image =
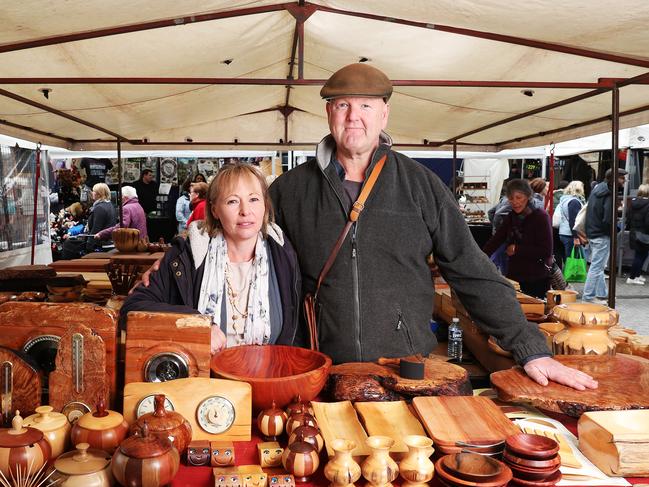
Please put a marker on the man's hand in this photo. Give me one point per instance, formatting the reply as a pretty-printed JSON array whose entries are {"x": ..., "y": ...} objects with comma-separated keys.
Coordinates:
[
  {"x": 144, "y": 279},
  {"x": 544, "y": 369},
  {"x": 576, "y": 242},
  {"x": 218, "y": 340}
]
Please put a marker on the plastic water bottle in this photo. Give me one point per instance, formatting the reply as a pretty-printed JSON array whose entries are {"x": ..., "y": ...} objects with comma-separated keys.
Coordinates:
[{"x": 455, "y": 340}]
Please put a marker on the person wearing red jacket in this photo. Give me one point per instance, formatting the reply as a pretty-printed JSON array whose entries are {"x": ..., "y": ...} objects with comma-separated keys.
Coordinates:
[{"x": 198, "y": 200}]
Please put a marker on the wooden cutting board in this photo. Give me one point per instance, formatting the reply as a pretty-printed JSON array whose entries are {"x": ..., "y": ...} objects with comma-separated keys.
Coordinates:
[
  {"x": 623, "y": 384},
  {"x": 471, "y": 419}
]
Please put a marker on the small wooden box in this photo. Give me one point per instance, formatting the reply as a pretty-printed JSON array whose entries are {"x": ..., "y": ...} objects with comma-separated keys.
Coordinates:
[
  {"x": 616, "y": 441},
  {"x": 221, "y": 453},
  {"x": 166, "y": 338},
  {"x": 270, "y": 454}
]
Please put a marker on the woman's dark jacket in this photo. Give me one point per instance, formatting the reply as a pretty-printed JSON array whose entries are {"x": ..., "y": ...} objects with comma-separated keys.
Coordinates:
[
  {"x": 176, "y": 287},
  {"x": 102, "y": 215}
]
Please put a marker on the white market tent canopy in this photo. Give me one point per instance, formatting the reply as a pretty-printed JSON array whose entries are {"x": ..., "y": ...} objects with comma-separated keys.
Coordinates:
[{"x": 155, "y": 74}]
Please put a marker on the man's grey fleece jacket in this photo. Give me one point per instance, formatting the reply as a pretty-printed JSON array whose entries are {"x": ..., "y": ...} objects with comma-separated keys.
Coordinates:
[{"x": 378, "y": 297}]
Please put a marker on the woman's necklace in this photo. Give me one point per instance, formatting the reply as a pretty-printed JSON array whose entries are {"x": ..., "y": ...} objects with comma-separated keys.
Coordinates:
[{"x": 234, "y": 298}]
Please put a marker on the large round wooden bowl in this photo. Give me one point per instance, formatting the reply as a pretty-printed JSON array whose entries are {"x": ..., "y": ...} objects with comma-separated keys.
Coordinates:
[
  {"x": 126, "y": 239},
  {"x": 276, "y": 372}
]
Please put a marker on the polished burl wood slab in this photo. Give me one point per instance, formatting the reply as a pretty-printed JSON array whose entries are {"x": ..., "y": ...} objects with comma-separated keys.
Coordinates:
[
  {"x": 623, "y": 384},
  {"x": 367, "y": 381}
]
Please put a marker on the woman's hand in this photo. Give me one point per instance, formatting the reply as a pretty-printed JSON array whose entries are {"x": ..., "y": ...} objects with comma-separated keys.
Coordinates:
[
  {"x": 511, "y": 249},
  {"x": 218, "y": 340},
  {"x": 576, "y": 242}
]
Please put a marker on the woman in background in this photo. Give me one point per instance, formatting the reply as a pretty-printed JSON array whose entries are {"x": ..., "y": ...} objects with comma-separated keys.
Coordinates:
[
  {"x": 102, "y": 214},
  {"x": 183, "y": 207},
  {"x": 527, "y": 233},
  {"x": 639, "y": 237},
  {"x": 569, "y": 205},
  {"x": 197, "y": 197}
]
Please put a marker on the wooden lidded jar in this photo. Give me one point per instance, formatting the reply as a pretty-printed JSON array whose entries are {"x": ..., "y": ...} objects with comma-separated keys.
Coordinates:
[
  {"x": 166, "y": 424},
  {"x": 308, "y": 433},
  {"x": 271, "y": 422},
  {"x": 301, "y": 459},
  {"x": 145, "y": 460},
  {"x": 55, "y": 426},
  {"x": 83, "y": 468},
  {"x": 103, "y": 430},
  {"x": 299, "y": 406},
  {"x": 300, "y": 419},
  {"x": 22, "y": 450}
]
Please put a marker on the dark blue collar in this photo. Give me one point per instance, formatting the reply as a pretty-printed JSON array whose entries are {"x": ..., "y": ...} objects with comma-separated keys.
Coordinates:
[{"x": 340, "y": 170}]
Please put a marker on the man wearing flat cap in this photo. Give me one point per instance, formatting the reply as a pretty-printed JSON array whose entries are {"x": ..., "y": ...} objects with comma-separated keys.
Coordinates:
[{"x": 376, "y": 301}]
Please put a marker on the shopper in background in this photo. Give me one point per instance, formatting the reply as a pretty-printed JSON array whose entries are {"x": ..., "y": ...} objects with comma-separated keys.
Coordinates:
[
  {"x": 599, "y": 222},
  {"x": 199, "y": 178},
  {"x": 540, "y": 188},
  {"x": 527, "y": 232},
  {"x": 559, "y": 192},
  {"x": 568, "y": 208},
  {"x": 102, "y": 214},
  {"x": 132, "y": 215},
  {"x": 183, "y": 206},
  {"x": 197, "y": 197},
  {"x": 639, "y": 235},
  {"x": 147, "y": 191}
]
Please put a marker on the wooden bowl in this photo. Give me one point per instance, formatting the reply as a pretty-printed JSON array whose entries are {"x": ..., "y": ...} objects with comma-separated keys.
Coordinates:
[
  {"x": 548, "y": 482},
  {"x": 543, "y": 464},
  {"x": 531, "y": 473},
  {"x": 276, "y": 372},
  {"x": 126, "y": 239},
  {"x": 531, "y": 446},
  {"x": 472, "y": 466},
  {"x": 448, "y": 478}
]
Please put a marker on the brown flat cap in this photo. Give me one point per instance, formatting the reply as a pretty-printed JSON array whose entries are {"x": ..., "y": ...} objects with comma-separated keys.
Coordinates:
[{"x": 358, "y": 79}]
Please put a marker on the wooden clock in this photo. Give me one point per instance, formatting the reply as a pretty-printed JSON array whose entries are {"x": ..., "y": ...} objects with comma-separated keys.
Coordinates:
[{"x": 217, "y": 409}]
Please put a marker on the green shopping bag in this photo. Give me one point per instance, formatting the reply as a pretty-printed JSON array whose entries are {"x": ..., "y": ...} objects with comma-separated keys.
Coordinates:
[{"x": 575, "y": 268}]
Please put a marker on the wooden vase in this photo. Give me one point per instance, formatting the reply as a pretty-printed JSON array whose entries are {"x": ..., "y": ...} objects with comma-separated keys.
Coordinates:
[
  {"x": 416, "y": 468},
  {"x": 271, "y": 422},
  {"x": 23, "y": 451},
  {"x": 342, "y": 470},
  {"x": 301, "y": 459},
  {"x": 378, "y": 468},
  {"x": 102, "y": 429},
  {"x": 586, "y": 330},
  {"x": 166, "y": 424},
  {"x": 55, "y": 426},
  {"x": 145, "y": 460},
  {"x": 126, "y": 239}
]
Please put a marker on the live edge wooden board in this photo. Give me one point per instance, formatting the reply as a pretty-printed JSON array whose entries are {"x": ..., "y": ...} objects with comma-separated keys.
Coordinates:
[{"x": 623, "y": 384}]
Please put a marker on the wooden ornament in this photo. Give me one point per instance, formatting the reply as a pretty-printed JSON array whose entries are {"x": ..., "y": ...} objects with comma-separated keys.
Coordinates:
[
  {"x": 166, "y": 424},
  {"x": 271, "y": 422},
  {"x": 270, "y": 454},
  {"x": 80, "y": 374},
  {"x": 36, "y": 329},
  {"x": 240, "y": 476},
  {"x": 199, "y": 453},
  {"x": 221, "y": 453},
  {"x": 102, "y": 429},
  {"x": 299, "y": 405},
  {"x": 281, "y": 480},
  {"x": 301, "y": 459},
  {"x": 145, "y": 460},
  {"x": 20, "y": 384},
  {"x": 308, "y": 433},
  {"x": 300, "y": 419},
  {"x": 166, "y": 346},
  {"x": 22, "y": 449}
]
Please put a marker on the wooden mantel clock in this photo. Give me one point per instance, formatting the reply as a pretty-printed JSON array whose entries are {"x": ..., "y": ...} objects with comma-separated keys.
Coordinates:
[{"x": 217, "y": 409}]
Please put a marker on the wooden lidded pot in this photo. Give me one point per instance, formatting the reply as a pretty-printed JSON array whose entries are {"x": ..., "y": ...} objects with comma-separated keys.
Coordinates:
[
  {"x": 166, "y": 424},
  {"x": 126, "y": 239},
  {"x": 22, "y": 450},
  {"x": 271, "y": 422},
  {"x": 55, "y": 426},
  {"x": 145, "y": 459},
  {"x": 103, "y": 430},
  {"x": 83, "y": 468}
]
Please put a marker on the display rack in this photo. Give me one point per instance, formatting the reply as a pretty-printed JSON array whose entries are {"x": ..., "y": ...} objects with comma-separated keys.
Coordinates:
[{"x": 476, "y": 194}]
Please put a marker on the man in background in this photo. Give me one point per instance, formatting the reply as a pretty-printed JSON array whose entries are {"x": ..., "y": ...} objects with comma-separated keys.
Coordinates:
[{"x": 147, "y": 191}]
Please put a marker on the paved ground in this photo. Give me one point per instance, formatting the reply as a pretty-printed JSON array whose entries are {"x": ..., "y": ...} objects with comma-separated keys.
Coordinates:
[{"x": 632, "y": 302}]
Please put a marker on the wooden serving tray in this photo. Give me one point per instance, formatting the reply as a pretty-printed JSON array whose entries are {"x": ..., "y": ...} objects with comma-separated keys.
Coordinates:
[
  {"x": 392, "y": 418},
  {"x": 623, "y": 384},
  {"x": 475, "y": 420},
  {"x": 339, "y": 420}
]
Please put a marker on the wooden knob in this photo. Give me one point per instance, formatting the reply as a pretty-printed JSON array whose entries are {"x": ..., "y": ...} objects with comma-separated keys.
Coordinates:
[
  {"x": 17, "y": 425},
  {"x": 101, "y": 408},
  {"x": 82, "y": 452},
  {"x": 159, "y": 405},
  {"x": 43, "y": 413}
]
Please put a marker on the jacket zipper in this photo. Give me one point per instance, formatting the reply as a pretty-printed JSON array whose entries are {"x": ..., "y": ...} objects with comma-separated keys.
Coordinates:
[
  {"x": 356, "y": 296},
  {"x": 401, "y": 323},
  {"x": 296, "y": 312}
]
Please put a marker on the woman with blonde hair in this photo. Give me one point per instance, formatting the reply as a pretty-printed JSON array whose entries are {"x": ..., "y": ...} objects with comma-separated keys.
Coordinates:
[
  {"x": 569, "y": 206},
  {"x": 102, "y": 214},
  {"x": 639, "y": 237},
  {"x": 237, "y": 267}
]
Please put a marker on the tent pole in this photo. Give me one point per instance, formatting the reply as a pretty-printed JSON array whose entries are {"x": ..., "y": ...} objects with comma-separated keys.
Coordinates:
[
  {"x": 119, "y": 183},
  {"x": 37, "y": 173},
  {"x": 615, "y": 127}
]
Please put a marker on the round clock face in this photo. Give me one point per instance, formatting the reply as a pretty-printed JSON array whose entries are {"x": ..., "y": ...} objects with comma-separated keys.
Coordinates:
[
  {"x": 215, "y": 414},
  {"x": 146, "y": 405}
]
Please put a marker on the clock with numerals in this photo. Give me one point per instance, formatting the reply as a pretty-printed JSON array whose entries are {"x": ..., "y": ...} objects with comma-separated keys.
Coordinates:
[{"x": 216, "y": 409}]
